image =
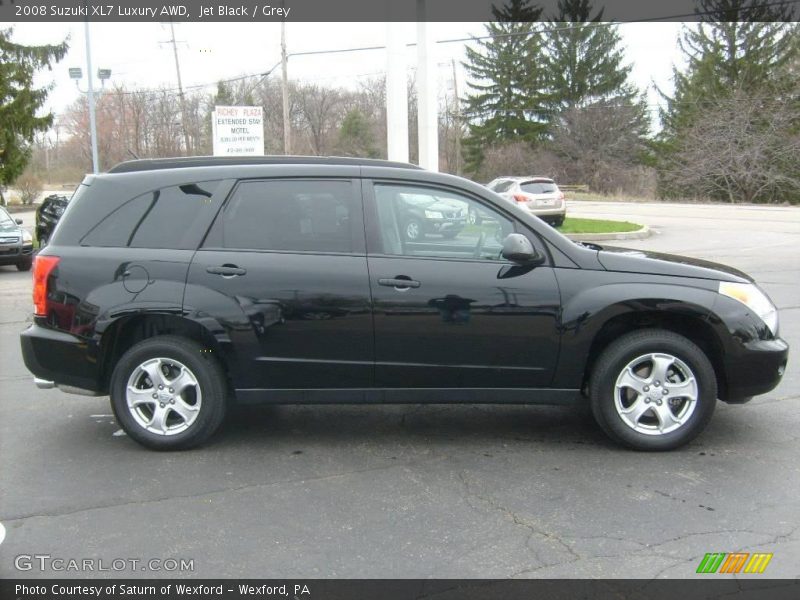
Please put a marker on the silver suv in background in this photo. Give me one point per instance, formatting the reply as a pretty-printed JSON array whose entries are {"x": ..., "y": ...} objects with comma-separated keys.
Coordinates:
[{"x": 538, "y": 195}]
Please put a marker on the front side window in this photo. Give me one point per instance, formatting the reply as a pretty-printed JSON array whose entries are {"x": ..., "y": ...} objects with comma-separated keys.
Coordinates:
[
  {"x": 429, "y": 222},
  {"x": 163, "y": 218},
  {"x": 503, "y": 186},
  {"x": 291, "y": 215}
]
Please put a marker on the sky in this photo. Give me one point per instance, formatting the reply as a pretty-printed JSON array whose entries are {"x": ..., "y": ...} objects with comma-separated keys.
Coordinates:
[{"x": 140, "y": 55}]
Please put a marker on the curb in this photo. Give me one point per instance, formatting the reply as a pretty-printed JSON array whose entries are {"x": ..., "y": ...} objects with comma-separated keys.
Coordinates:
[{"x": 639, "y": 234}]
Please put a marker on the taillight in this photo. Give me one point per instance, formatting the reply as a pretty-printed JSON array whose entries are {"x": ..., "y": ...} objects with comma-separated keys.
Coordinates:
[
  {"x": 561, "y": 196},
  {"x": 42, "y": 267},
  {"x": 520, "y": 198}
]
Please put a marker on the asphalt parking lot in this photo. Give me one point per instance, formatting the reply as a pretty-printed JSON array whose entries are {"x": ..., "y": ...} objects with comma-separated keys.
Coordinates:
[{"x": 418, "y": 491}]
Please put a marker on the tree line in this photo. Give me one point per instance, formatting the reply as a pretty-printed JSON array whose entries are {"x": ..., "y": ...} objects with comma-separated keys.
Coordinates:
[{"x": 547, "y": 94}]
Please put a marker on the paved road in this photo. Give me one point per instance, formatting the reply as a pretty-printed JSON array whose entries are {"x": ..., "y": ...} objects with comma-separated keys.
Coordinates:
[{"x": 410, "y": 491}]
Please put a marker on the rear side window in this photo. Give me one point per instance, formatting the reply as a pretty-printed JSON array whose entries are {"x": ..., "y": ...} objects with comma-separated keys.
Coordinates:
[
  {"x": 162, "y": 218},
  {"x": 503, "y": 186},
  {"x": 539, "y": 187},
  {"x": 291, "y": 215}
]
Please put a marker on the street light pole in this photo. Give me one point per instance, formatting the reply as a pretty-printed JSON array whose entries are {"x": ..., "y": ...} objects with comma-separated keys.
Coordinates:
[{"x": 92, "y": 122}]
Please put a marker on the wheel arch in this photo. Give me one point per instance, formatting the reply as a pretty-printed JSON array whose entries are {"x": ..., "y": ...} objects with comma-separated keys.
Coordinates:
[{"x": 124, "y": 332}]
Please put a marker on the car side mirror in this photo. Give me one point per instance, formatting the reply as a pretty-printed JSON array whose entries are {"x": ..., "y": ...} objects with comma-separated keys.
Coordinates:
[
  {"x": 18, "y": 221},
  {"x": 518, "y": 249}
]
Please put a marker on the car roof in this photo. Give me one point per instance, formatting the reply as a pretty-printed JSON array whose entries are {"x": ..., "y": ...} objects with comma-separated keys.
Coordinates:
[
  {"x": 529, "y": 179},
  {"x": 151, "y": 164}
]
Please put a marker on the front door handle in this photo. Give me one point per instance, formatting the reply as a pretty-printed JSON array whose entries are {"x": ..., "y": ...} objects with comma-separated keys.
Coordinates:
[
  {"x": 400, "y": 282},
  {"x": 226, "y": 270}
]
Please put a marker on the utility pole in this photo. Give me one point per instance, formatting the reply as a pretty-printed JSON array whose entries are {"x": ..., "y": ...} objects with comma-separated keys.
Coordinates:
[
  {"x": 287, "y": 125},
  {"x": 92, "y": 121},
  {"x": 180, "y": 87},
  {"x": 457, "y": 115}
]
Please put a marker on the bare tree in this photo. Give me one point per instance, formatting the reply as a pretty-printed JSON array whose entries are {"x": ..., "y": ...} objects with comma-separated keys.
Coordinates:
[{"x": 745, "y": 148}]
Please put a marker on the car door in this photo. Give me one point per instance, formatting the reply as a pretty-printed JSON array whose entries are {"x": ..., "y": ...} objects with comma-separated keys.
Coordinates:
[
  {"x": 282, "y": 276},
  {"x": 449, "y": 311}
]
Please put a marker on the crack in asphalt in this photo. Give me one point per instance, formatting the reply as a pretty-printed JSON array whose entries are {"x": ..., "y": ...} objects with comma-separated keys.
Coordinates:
[
  {"x": 518, "y": 520},
  {"x": 239, "y": 488}
]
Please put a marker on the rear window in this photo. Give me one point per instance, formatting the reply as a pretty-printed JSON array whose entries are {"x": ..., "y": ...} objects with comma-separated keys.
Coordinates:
[
  {"x": 539, "y": 187},
  {"x": 158, "y": 219}
]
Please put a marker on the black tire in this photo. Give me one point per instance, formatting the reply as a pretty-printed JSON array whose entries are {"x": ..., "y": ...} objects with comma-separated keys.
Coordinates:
[
  {"x": 25, "y": 265},
  {"x": 413, "y": 230},
  {"x": 211, "y": 382},
  {"x": 558, "y": 222},
  {"x": 614, "y": 361}
]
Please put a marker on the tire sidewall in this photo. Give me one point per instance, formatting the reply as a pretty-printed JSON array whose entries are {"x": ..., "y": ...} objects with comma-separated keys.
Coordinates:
[
  {"x": 207, "y": 373},
  {"x": 617, "y": 357}
]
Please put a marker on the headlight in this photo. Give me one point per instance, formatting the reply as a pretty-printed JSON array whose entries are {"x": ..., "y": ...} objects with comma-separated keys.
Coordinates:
[
  {"x": 754, "y": 299},
  {"x": 27, "y": 238},
  {"x": 432, "y": 214}
]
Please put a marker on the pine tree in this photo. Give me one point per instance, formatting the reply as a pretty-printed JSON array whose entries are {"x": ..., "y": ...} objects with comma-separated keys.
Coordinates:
[
  {"x": 585, "y": 58},
  {"x": 508, "y": 99},
  {"x": 20, "y": 101},
  {"x": 739, "y": 46}
]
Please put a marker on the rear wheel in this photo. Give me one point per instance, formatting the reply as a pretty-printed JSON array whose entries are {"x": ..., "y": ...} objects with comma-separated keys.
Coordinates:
[
  {"x": 653, "y": 390},
  {"x": 168, "y": 394},
  {"x": 558, "y": 222}
]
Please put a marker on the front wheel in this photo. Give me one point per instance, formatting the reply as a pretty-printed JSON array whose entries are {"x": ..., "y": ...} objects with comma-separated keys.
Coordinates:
[
  {"x": 25, "y": 265},
  {"x": 413, "y": 230},
  {"x": 653, "y": 390},
  {"x": 168, "y": 393}
]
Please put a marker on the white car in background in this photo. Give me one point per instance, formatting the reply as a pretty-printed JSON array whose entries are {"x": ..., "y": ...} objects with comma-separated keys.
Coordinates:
[{"x": 538, "y": 195}]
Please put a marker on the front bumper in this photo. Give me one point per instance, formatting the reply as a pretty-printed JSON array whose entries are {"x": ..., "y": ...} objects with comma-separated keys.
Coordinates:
[
  {"x": 13, "y": 254},
  {"x": 59, "y": 359},
  {"x": 756, "y": 368},
  {"x": 444, "y": 225}
]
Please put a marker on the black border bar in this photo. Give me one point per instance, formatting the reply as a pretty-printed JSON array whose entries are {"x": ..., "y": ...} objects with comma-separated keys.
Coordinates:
[
  {"x": 706, "y": 586},
  {"x": 362, "y": 10}
]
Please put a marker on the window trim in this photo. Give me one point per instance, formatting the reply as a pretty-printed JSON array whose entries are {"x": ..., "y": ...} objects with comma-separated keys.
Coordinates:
[
  {"x": 356, "y": 225},
  {"x": 375, "y": 243}
]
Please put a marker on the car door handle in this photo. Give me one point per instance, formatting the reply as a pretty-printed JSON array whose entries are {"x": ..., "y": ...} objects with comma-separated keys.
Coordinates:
[
  {"x": 399, "y": 282},
  {"x": 226, "y": 270}
]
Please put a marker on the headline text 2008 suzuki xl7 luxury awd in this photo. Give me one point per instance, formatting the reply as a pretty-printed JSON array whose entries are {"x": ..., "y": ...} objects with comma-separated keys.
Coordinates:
[{"x": 177, "y": 286}]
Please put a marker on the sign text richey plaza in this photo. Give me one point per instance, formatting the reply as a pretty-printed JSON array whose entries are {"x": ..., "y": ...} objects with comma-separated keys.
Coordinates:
[{"x": 238, "y": 130}]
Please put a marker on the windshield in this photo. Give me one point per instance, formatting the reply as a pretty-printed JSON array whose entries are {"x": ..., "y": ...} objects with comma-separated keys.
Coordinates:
[{"x": 6, "y": 222}]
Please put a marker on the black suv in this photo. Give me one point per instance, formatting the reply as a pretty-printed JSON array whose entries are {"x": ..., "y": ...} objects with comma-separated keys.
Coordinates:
[
  {"x": 47, "y": 215},
  {"x": 178, "y": 286}
]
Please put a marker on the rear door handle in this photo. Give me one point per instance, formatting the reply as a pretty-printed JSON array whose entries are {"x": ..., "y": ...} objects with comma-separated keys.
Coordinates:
[
  {"x": 399, "y": 282},
  {"x": 226, "y": 270}
]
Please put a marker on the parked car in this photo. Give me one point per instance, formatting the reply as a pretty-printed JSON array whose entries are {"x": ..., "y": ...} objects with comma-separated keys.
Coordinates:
[
  {"x": 16, "y": 244},
  {"x": 47, "y": 215},
  {"x": 423, "y": 214},
  {"x": 538, "y": 195},
  {"x": 177, "y": 286}
]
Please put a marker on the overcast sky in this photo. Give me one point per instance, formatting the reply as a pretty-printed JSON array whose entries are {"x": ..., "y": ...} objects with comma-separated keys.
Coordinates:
[{"x": 138, "y": 55}]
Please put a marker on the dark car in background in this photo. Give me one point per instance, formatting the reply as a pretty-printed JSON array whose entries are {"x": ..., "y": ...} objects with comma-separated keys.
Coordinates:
[
  {"x": 16, "y": 243},
  {"x": 47, "y": 215},
  {"x": 178, "y": 286},
  {"x": 424, "y": 214}
]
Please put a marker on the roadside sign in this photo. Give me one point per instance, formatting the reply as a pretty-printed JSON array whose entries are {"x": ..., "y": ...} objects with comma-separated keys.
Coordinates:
[{"x": 238, "y": 130}]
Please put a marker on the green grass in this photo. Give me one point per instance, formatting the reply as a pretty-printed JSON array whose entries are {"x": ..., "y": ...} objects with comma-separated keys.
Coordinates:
[{"x": 573, "y": 225}]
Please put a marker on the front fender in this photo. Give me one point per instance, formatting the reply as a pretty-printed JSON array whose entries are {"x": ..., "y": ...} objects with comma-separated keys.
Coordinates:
[{"x": 588, "y": 306}]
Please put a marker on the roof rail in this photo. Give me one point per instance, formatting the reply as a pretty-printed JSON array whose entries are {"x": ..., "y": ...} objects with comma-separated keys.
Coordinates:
[{"x": 151, "y": 164}]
